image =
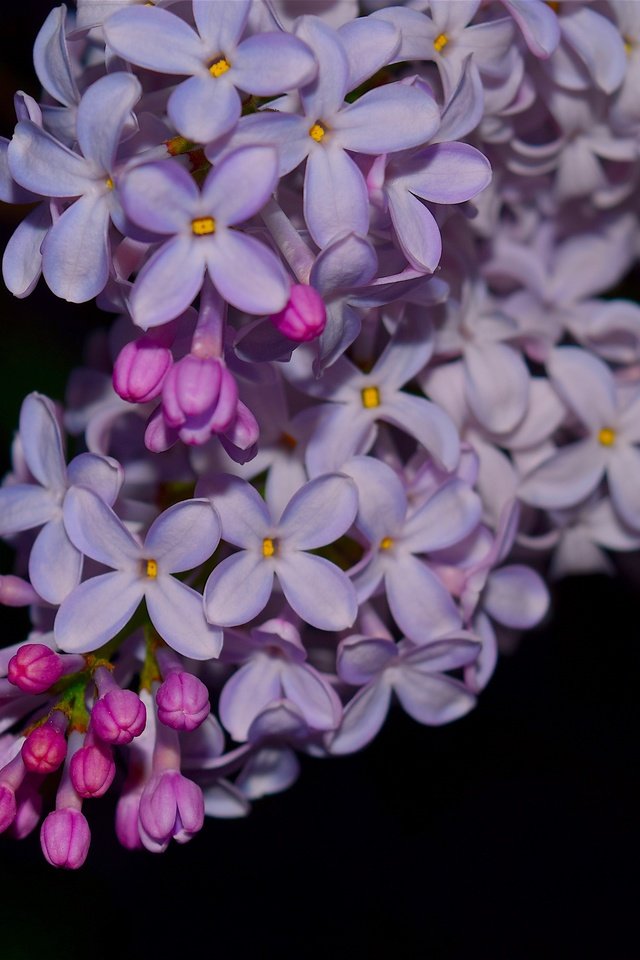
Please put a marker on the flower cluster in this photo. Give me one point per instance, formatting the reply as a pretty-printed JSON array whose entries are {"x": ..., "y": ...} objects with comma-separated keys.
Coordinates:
[{"x": 363, "y": 380}]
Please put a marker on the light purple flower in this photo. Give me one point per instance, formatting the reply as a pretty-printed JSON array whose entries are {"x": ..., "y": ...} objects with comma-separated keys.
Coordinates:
[
  {"x": 179, "y": 539},
  {"x": 318, "y": 514},
  {"x": 163, "y": 198}
]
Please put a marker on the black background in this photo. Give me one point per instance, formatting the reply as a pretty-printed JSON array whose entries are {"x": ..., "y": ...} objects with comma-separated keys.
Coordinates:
[{"x": 510, "y": 834}]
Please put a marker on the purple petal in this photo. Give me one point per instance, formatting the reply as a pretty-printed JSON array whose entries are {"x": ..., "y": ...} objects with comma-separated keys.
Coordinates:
[
  {"x": 51, "y": 59},
  {"x": 432, "y": 700},
  {"x": 348, "y": 262},
  {"x": 96, "y": 611},
  {"x": 319, "y": 513},
  {"x": 22, "y": 260},
  {"x": 447, "y": 654},
  {"x": 243, "y": 513},
  {"x": 599, "y": 45},
  {"x": 497, "y": 385},
  {"x": 169, "y": 281},
  {"x": 416, "y": 229},
  {"x": 155, "y": 39},
  {"x": 335, "y": 195},
  {"x": 24, "y": 506},
  {"x": 55, "y": 564},
  {"x": 75, "y": 253},
  {"x": 97, "y": 532},
  {"x": 221, "y": 23},
  {"x": 516, "y": 596},
  {"x": 241, "y": 184},
  {"x": 452, "y": 513},
  {"x": 238, "y": 589},
  {"x": 362, "y": 718},
  {"x": 539, "y": 26},
  {"x": 247, "y": 273},
  {"x": 317, "y": 590},
  {"x": 447, "y": 173},
  {"x": 389, "y": 118},
  {"x": 623, "y": 475},
  {"x": 565, "y": 478},
  {"x": 381, "y": 496},
  {"x": 269, "y": 63},
  {"x": 370, "y": 45},
  {"x": 288, "y": 133},
  {"x": 325, "y": 95},
  {"x": 161, "y": 197},
  {"x": 44, "y": 166},
  {"x": 103, "y": 475},
  {"x": 253, "y": 687},
  {"x": 420, "y": 604},
  {"x": 586, "y": 383},
  {"x": 103, "y": 110},
  {"x": 425, "y": 421},
  {"x": 203, "y": 108},
  {"x": 184, "y": 536},
  {"x": 41, "y": 443},
  {"x": 316, "y": 699},
  {"x": 269, "y": 770},
  {"x": 177, "y": 613},
  {"x": 406, "y": 354},
  {"x": 360, "y": 659},
  {"x": 343, "y": 431}
]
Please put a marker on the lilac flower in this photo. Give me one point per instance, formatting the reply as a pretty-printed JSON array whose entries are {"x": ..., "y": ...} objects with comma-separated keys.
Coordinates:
[
  {"x": 75, "y": 253},
  {"x": 164, "y": 199},
  {"x": 179, "y": 539},
  {"x": 358, "y": 400},
  {"x": 610, "y": 447},
  {"x": 274, "y": 668},
  {"x": 215, "y": 58},
  {"x": 55, "y": 563},
  {"x": 240, "y": 586},
  {"x": 415, "y": 674}
]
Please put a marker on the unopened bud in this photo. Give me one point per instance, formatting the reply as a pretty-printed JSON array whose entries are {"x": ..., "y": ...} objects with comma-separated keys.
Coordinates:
[
  {"x": 183, "y": 701},
  {"x": 140, "y": 370},
  {"x": 304, "y": 317},
  {"x": 65, "y": 838}
]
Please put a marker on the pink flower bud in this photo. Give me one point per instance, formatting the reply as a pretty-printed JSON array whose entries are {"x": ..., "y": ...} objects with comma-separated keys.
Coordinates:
[
  {"x": 65, "y": 838},
  {"x": 127, "y": 829},
  {"x": 8, "y": 806},
  {"x": 35, "y": 667},
  {"x": 183, "y": 701},
  {"x": 119, "y": 716},
  {"x": 140, "y": 370},
  {"x": 92, "y": 770},
  {"x": 200, "y": 394},
  {"x": 171, "y": 806},
  {"x": 44, "y": 749},
  {"x": 16, "y": 592},
  {"x": 28, "y": 813},
  {"x": 304, "y": 317}
]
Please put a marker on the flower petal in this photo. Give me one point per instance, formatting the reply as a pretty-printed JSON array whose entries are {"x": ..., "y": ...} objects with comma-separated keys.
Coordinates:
[
  {"x": 427, "y": 422},
  {"x": 41, "y": 442},
  {"x": 168, "y": 282},
  {"x": 203, "y": 108},
  {"x": 516, "y": 596},
  {"x": 24, "y": 506},
  {"x": 623, "y": 475},
  {"x": 177, "y": 613},
  {"x": 243, "y": 513},
  {"x": 447, "y": 517},
  {"x": 238, "y": 589},
  {"x": 155, "y": 39},
  {"x": 319, "y": 513},
  {"x": 421, "y": 606},
  {"x": 432, "y": 700},
  {"x": 75, "y": 253},
  {"x": 247, "y": 273},
  {"x": 272, "y": 62},
  {"x": 252, "y": 688},
  {"x": 362, "y": 718},
  {"x": 161, "y": 197},
  {"x": 96, "y": 611},
  {"x": 497, "y": 385},
  {"x": 55, "y": 564},
  {"x": 97, "y": 532},
  {"x": 317, "y": 590},
  {"x": 184, "y": 536},
  {"x": 241, "y": 184},
  {"x": 103, "y": 110},
  {"x": 567, "y": 477},
  {"x": 392, "y": 117},
  {"x": 335, "y": 195}
]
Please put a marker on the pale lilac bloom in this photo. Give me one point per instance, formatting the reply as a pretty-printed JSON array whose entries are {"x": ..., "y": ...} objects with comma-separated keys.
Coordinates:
[
  {"x": 538, "y": 24},
  {"x": 398, "y": 538},
  {"x": 53, "y": 65},
  {"x": 75, "y": 253},
  {"x": 55, "y": 564},
  {"x": 215, "y": 58},
  {"x": 612, "y": 424},
  {"x": 348, "y": 424},
  {"x": 164, "y": 199},
  {"x": 181, "y": 538},
  {"x": 417, "y": 676},
  {"x": 591, "y": 50},
  {"x": 318, "y": 514},
  {"x": 273, "y": 667}
]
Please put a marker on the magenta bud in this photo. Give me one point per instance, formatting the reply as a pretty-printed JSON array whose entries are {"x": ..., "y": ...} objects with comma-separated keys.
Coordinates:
[
  {"x": 44, "y": 749},
  {"x": 92, "y": 770},
  {"x": 171, "y": 806},
  {"x": 35, "y": 667},
  {"x": 183, "y": 701},
  {"x": 304, "y": 317},
  {"x": 65, "y": 838},
  {"x": 119, "y": 716},
  {"x": 16, "y": 592},
  {"x": 8, "y": 806},
  {"x": 28, "y": 813},
  {"x": 140, "y": 370},
  {"x": 199, "y": 393},
  {"x": 127, "y": 830}
]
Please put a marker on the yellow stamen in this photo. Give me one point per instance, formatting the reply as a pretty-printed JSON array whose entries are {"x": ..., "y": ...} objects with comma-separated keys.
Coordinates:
[
  {"x": 109, "y": 183},
  {"x": 370, "y": 397},
  {"x": 607, "y": 437},
  {"x": 152, "y": 569},
  {"x": 201, "y": 226},
  {"x": 555, "y": 5},
  {"x": 386, "y": 543},
  {"x": 288, "y": 441},
  {"x": 628, "y": 46},
  {"x": 268, "y": 547},
  {"x": 317, "y": 132},
  {"x": 440, "y": 42},
  {"x": 219, "y": 67}
]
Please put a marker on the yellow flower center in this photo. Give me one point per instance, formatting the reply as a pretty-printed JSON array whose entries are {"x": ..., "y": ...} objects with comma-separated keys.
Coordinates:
[
  {"x": 628, "y": 46},
  {"x": 607, "y": 437},
  {"x": 152, "y": 569},
  {"x": 386, "y": 543},
  {"x": 109, "y": 183},
  {"x": 317, "y": 132},
  {"x": 287, "y": 441},
  {"x": 370, "y": 397},
  {"x": 202, "y": 226},
  {"x": 440, "y": 42},
  {"x": 268, "y": 547},
  {"x": 219, "y": 67},
  {"x": 555, "y": 5}
]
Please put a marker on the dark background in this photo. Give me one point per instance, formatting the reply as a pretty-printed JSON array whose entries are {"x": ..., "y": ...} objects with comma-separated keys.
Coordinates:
[{"x": 509, "y": 834}]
